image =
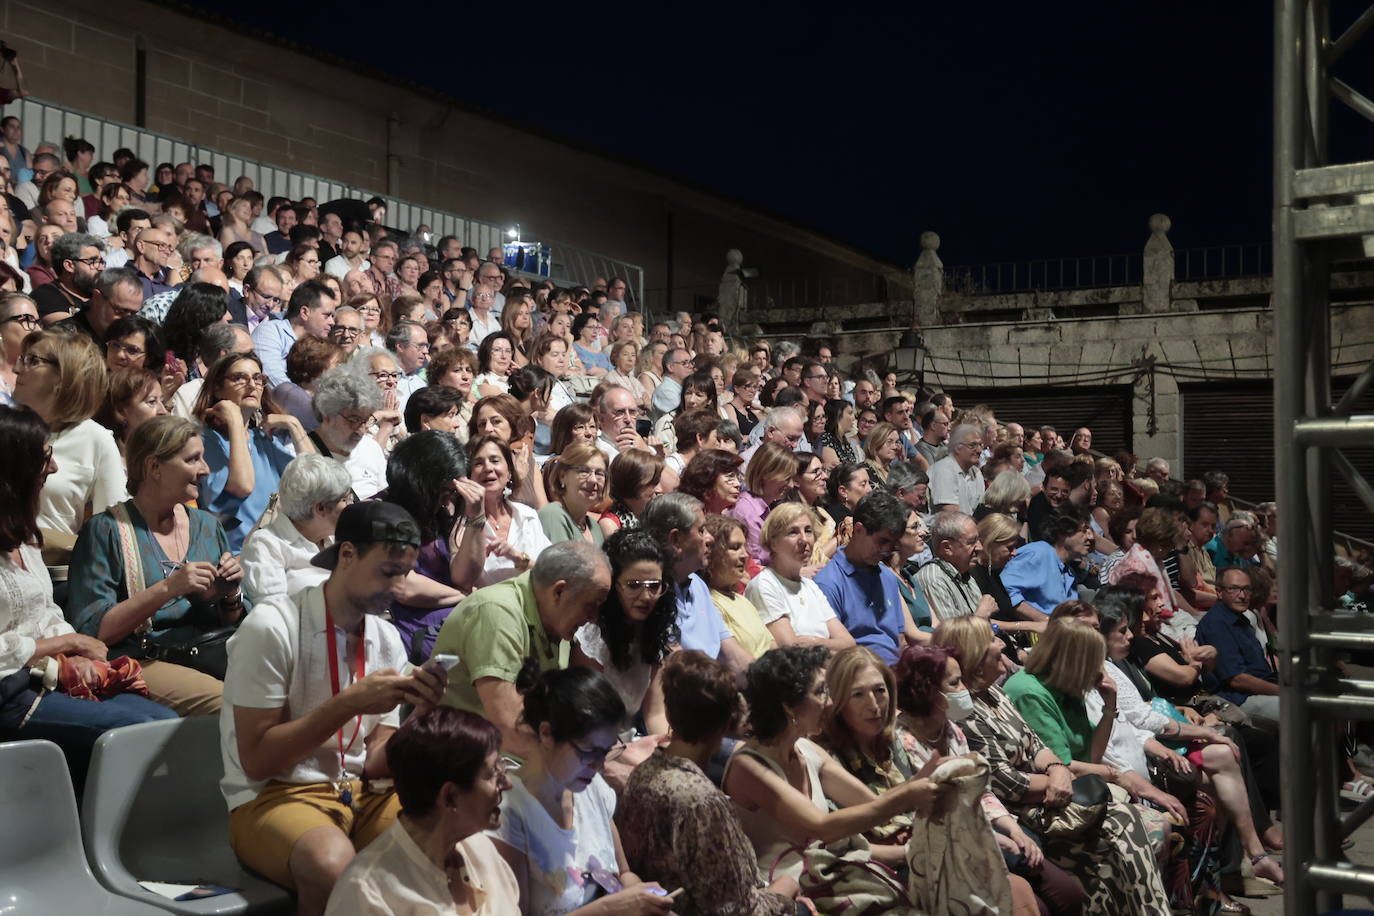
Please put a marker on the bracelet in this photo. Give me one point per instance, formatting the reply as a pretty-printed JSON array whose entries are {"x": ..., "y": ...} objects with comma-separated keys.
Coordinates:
[
  {"x": 1058, "y": 764},
  {"x": 234, "y": 600}
]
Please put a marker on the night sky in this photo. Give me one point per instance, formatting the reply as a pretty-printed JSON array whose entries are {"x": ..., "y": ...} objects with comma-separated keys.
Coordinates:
[{"x": 1016, "y": 131}]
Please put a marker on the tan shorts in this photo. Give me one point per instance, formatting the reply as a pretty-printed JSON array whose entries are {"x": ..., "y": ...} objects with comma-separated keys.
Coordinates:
[{"x": 263, "y": 832}]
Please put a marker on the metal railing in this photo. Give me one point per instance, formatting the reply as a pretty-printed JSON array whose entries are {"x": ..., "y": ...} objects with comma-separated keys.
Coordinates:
[
  {"x": 1220, "y": 262},
  {"x": 49, "y": 122},
  {"x": 1039, "y": 276}
]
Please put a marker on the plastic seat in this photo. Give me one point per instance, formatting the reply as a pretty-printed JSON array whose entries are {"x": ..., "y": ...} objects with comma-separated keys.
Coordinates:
[
  {"x": 42, "y": 865},
  {"x": 153, "y": 811}
]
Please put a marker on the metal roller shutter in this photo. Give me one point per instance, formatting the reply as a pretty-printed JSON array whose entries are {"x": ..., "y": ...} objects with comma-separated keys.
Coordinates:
[
  {"x": 1105, "y": 409},
  {"x": 1229, "y": 426}
]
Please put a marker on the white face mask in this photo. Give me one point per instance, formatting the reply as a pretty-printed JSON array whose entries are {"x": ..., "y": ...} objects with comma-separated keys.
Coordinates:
[{"x": 958, "y": 705}]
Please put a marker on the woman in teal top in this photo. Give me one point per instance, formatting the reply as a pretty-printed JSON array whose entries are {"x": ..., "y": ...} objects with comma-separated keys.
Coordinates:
[
  {"x": 185, "y": 581},
  {"x": 576, "y": 481},
  {"x": 1049, "y": 691}
]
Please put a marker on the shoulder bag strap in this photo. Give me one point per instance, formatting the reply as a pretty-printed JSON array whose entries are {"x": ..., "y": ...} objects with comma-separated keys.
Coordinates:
[{"x": 133, "y": 562}]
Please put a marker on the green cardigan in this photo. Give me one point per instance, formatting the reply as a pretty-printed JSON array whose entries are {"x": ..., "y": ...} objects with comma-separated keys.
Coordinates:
[
  {"x": 559, "y": 526},
  {"x": 1060, "y": 720}
]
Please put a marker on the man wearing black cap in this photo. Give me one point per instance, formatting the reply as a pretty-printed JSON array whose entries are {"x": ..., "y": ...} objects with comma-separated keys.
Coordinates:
[{"x": 312, "y": 694}]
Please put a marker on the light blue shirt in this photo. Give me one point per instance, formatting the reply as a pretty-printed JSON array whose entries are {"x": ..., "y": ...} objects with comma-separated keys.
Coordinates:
[
  {"x": 868, "y": 602},
  {"x": 666, "y": 396},
  {"x": 1039, "y": 578},
  {"x": 272, "y": 340},
  {"x": 699, "y": 619},
  {"x": 270, "y": 454}
]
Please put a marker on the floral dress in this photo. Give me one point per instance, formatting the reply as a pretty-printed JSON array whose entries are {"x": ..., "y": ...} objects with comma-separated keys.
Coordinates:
[
  {"x": 678, "y": 829},
  {"x": 1115, "y": 865}
]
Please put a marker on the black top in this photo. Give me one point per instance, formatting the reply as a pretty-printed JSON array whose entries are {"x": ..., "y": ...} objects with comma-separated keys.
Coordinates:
[
  {"x": 1144, "y": 648},
  {"x": 1037, "y": 513},
  {"x": 746, "y": 421},
  {"x": 991, "y": 584},
  {"x": 52, "y": 298}
]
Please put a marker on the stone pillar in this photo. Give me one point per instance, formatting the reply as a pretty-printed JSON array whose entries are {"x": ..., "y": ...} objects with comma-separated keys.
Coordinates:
[
  {"x": 1157, "y": 281},
  {"x": 929, "y": 281},
  {"x": 731, "y": 296}
]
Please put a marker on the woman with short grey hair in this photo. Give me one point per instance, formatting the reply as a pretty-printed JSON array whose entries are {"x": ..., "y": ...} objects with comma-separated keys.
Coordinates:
[
  {"x": 276, "y": 557},
  {"x": 346, "y": 400}
]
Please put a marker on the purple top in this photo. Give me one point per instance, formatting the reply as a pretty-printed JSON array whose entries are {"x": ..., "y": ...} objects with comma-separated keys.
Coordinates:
[
  {"x": 432, "y": 564},
  {"x": 750, "y": 511}
]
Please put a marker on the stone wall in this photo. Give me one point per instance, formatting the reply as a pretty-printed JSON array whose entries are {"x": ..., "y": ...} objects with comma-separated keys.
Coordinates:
[{"x": 250, "y": 96}]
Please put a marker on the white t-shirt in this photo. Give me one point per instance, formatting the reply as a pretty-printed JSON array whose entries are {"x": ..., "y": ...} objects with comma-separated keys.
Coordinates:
[
  {"x": 950, "y": 484},
  {"x": 89, "y": 470},
  {"x": 366, "y": 464},
  {"x": 280, "y": 658},
  {"x": 557, "y": 858},
  {"x": 526, "y": 536},
  {"x": 276, "y": 561},
  {"x": 801, "y": 601}
]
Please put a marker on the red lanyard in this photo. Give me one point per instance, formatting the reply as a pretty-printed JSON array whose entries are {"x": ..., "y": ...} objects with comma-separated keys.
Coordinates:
[{"x": 359, "y": 666}]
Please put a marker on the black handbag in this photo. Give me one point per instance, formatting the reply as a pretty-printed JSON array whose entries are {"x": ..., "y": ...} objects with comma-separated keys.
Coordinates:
[{"x": 206, "y": 652}]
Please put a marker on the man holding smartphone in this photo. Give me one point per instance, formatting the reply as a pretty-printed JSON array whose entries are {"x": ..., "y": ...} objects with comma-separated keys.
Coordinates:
[{"x": 313, "y": 693}]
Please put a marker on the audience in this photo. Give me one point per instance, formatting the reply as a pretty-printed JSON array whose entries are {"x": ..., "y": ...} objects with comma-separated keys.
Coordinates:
[{"x": 518, "y": 454}]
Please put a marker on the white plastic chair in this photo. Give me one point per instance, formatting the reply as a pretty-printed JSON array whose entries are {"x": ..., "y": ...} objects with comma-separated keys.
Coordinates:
[
  {"x": 153, "y": 812},
  {"x": 42, "y": 865}
]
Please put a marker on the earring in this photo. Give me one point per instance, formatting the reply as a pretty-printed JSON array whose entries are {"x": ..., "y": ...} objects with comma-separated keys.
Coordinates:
[{"x": 794, "y": 720}]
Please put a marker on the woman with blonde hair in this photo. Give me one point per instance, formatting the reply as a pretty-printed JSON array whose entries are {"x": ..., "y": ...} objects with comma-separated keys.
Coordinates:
[
  {"x": 770, "y": 475},
  {"x": 882, "y": 447},
  {"x": 1000, "y": 536},
  {"x": 61, "y": 377},
  {"x": 793, "y": 606},
  {"x": 518, "y": 323},
  {"x": 151, "y": 570},
  {"x": 576, "y": 483},
  {"x": 1008, "y": 494},
  {"x": 234, "y": 225}
]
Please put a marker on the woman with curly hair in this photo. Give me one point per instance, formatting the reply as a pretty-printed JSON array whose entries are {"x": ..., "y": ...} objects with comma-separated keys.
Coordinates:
[
  {"x": 712, "y": 476},
  {"x": 783, "y": 783},
  {"x": 637, "y": 627}
]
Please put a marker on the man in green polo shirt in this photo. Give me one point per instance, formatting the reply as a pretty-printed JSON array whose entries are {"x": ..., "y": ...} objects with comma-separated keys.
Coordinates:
[{"x": 532, "y": 616}]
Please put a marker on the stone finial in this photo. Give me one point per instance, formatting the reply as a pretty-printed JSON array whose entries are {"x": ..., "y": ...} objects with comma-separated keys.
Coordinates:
[
  {"x": 1160, "y": 223},
  {"x": 734, "y": 259},
  {"x": 928, "y": 279},
  {"x": 930, "y": 241}
]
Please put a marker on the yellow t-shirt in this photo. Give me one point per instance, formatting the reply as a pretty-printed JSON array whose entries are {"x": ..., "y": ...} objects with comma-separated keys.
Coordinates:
[{"x": 744, "y": 622}]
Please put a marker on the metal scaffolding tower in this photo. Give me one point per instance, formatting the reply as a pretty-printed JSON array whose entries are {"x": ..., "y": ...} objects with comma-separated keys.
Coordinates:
[{"x": 1321, "y": 209}]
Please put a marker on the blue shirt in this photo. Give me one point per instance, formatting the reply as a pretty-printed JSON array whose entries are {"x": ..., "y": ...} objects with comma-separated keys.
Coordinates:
[
  {"x": 272, "y": 340},
  {"x": 1038, "y": 577},
  {"x": 1238, "y": 650},
  {"x": 699, "y": 619},
  {"x": 592, "y": 359},
  {"x": 868, "y": 601},
  {"x": 270, "y": 454},
  {"x": 1223, "y": 558}
]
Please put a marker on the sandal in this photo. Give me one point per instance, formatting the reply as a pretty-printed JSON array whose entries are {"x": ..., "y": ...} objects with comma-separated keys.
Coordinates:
[
  {"x": 1356, "y": 790},
  {"x": 1257, "y": 861}
]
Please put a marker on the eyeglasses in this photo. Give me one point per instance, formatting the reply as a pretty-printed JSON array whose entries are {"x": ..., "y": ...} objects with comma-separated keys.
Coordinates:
[
  {"x": 33, "y": 361},
  {"x": 257, "y": 380},
  {"x": 583, "y": 472},
  {"x": 423, "y": 345},
  {"x": 357, "y": 421},
  {"x": 121, "y": 348},
  {"x": 794, "y": 439},
  {"x": 1236, "y": 589},
  {"x": 376, "y": 310},
  {"x": 384, "y": 376},
  {"x": 340, "y": 330},
  {"x": 270, "y": 300},
  {"x": 26, "y": 320},
  {"x": 97, "y": 261},
  {"x": 624, "y": 413},
  {"x": 160, "y": 246},
  {"x": 591, "y": 755}
]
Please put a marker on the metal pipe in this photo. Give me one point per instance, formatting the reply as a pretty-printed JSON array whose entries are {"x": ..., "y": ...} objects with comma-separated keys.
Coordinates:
[
  {"x": 1342, "y": 640},
  {"x": 1336, "y": 50},
  {"x": 1351, "y": 96},
  {"x": 1342, "y": 876},
  {"x": 1353, "y": 477},
  {"x": 1352, "y": 821},
  {"x": 1354, "y": 392},
  {"x": 1333, "y": 432},
  {"x": 1347, "y": 705}
]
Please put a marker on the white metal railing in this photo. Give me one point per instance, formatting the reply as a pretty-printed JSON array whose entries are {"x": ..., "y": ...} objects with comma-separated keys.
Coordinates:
[{"x": 49, "y": 122}]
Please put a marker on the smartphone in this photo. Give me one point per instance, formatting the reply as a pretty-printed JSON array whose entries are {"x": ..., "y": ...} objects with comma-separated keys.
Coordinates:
[{"x": 440, "y": 662}]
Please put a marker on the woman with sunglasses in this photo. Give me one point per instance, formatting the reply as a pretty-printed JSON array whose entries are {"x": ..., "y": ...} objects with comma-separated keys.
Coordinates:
[
  {"x": 18, "y": 318},
  {"x": 637, "y": 626},
  {"x": 248, "y": 440},
  {"x": 556, "y": 828}
]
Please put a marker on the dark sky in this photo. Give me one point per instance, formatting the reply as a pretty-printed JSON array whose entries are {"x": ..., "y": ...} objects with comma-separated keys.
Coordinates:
[{"x": 1016, "y": 131}]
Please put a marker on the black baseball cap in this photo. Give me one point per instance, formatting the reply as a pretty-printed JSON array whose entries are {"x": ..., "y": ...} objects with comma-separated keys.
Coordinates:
[{"x": 368, "y": 523}]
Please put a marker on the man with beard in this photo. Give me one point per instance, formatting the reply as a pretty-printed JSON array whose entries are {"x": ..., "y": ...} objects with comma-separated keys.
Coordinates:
[
  {"x": 78, "y": 258},
  {"x": 312, "y": 694},
  {"x": 116, "y": 294}
]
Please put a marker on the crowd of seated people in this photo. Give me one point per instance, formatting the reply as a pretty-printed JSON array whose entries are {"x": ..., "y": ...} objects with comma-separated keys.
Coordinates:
[{"x": 672, "y": 614}]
